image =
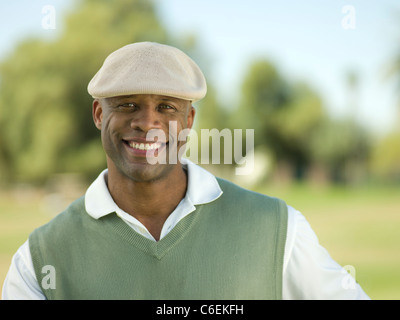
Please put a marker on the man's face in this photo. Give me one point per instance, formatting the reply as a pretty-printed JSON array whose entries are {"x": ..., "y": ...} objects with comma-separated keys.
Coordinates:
[{"x": 124, "y": 123}]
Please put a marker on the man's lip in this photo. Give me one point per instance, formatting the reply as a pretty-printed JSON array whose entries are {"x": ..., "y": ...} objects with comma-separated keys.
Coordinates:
[
  {"x": 130, "y": 141},
  {"x": 144, "y": 146},
  {"x": 141, "y": 140}
]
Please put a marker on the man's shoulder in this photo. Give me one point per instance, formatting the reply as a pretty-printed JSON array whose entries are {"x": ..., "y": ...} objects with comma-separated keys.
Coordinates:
[
  {"x": 232, "y": 188},
  {"x": 242, "y": 197}
]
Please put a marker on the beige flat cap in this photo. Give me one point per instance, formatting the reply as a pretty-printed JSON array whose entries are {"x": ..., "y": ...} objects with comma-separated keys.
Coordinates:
[{"x": 149, "y": 68}]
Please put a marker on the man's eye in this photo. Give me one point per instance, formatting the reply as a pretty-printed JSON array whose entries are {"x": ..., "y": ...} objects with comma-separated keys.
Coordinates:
[
  {"x": 127, "y": 105},
  {"x": 166, "y": 107}
]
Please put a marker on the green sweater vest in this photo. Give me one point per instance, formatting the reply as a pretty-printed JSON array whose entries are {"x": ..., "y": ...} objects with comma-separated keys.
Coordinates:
[{"x": 231, "y": 248}]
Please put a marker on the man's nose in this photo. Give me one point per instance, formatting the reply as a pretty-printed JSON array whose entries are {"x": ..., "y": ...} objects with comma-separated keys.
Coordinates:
[{"x": 146, "y": 119}]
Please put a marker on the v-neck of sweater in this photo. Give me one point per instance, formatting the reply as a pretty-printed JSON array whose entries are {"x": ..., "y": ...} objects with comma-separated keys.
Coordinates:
[{"x": 158, "y": 249}]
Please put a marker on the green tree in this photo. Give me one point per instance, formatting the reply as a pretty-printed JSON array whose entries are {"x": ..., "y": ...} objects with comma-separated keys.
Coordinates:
[
  {"x": 342, "y": 148},
  {"x": 283, "y": 115},
  {"x": 45, "y": 110},
  {"x": 385, "y": 158}
]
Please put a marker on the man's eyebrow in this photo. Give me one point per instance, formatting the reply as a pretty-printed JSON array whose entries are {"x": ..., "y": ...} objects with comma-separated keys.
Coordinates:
[
  {"x": 122, "y": 99},
  {"x": 117, "y": 100},
  {"x": 180, "y": 104},
  {"x": 164, "y": 98},
  {"x": 169, "y": 100},
  {"x": 134, "y": 96}
]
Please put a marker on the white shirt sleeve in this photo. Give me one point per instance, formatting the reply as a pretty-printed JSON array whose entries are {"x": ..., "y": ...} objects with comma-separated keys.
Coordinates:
[
  {"x": 20, "y": 282},
  {"x": 309, "y": 273}
]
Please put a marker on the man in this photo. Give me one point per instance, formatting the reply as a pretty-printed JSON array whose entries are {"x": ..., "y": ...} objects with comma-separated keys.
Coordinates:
[{"x": 168, "y": 230}]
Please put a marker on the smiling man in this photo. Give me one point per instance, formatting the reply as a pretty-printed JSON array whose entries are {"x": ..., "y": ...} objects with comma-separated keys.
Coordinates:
[
  {"x": 150, "y": 192},
  {"x": 152, "y": 230}
]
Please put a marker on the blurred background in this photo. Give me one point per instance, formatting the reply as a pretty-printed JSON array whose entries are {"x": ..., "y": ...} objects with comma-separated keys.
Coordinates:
[{"x": 318, "y": 83}]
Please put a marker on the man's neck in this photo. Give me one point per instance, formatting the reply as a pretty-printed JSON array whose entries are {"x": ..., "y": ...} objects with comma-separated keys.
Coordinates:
[{"x": 149, "y": 202}]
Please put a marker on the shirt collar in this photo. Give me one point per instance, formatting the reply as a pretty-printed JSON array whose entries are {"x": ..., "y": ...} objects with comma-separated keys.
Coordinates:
[{"x": 202, "y": 188}]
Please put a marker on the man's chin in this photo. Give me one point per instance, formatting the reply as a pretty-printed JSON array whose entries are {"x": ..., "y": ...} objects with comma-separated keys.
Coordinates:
[{"x": 146, "y": 172}]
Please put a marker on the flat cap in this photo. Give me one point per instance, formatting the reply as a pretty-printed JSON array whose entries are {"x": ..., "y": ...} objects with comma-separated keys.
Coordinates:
[{"x": 149, "y": 68}]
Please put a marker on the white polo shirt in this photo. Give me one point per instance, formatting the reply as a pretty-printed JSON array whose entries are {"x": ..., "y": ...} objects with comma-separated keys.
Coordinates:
[{"x": 308, "y": 271}]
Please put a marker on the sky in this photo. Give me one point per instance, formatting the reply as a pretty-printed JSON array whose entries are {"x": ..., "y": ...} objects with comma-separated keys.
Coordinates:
[{"x": 308, "y": 40}]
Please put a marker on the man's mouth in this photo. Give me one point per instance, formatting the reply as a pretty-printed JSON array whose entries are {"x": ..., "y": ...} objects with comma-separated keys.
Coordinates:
[
  {"x": 142, "y": 148},
  {"x": 145, "y": 146}
]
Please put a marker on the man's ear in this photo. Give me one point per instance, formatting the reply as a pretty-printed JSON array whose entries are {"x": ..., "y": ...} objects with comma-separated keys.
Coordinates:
[
  {"x": 190, "y": 118},
  {"x": 97, "y": 113}
]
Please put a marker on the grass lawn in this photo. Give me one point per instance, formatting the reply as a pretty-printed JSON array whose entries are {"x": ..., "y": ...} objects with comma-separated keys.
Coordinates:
[
  {"x": 20, "y": 214},
  {"x": 359, "y": 227}
]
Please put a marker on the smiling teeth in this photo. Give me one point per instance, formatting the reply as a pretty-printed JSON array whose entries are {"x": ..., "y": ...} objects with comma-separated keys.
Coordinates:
[{"x": 145, "y": 146}]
